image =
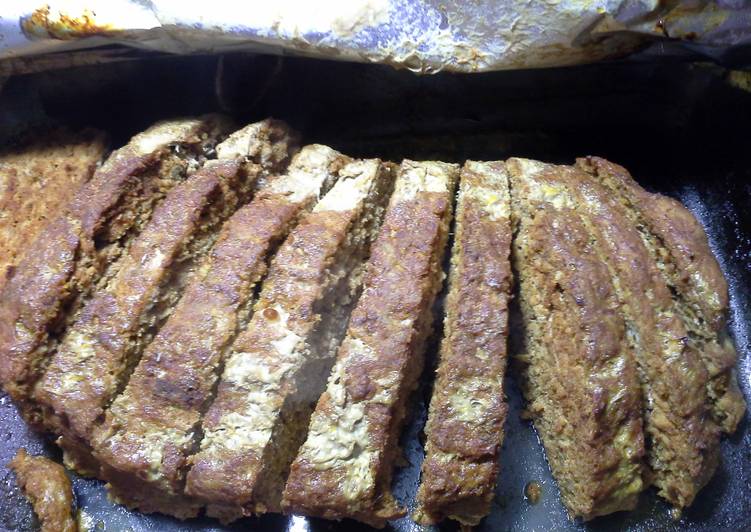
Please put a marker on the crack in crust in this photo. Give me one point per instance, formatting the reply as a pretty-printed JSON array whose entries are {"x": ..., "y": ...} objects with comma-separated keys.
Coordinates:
[{"x": 679, "y": 245}]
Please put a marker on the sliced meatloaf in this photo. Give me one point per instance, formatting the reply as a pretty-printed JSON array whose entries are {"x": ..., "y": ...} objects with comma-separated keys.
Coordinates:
[
  {"x": 98, "y": 352},
  {"x": 278, "y": 365},
  {"x": 78, "y": 250},
  {"x": 468, "y": 408},
  {"x": 678, "y": 244},
  {"x": 580, "y": 373},
  {"x": 345, "y": 466},
  {"x": 153, "y": 427}
]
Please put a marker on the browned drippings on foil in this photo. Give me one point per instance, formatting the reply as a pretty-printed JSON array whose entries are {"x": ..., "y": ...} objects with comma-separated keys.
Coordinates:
[{"x": 45, "y": 24}]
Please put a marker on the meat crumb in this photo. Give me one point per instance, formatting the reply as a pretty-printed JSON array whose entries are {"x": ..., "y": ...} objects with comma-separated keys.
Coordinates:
[{"x": 48, "y": 488}]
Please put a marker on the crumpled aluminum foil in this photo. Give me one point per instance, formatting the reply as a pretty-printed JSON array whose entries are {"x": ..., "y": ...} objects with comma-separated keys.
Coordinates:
[{"x": 424, "y": 36}]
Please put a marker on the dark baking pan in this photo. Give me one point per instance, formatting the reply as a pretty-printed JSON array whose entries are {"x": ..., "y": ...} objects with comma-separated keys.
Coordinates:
[{"x": 682, "y": 129}]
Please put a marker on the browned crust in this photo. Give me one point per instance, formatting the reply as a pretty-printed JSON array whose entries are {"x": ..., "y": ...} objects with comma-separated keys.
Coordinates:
[
  {"x": 87, "y": 369},
  {"x": 684, "y": 441},
  {"x": 461, "y": 464},
  {"x": 678, "y": 242},
  {"x": 38, "y": 179},
  {"x": 73, "y": 251},
  {"x": 392, "y": 318},
  {"x": 581, "y": 379},
  {"x": 682, "y": 235},
  {"x": 177, "y": 372},
  {"x": 48, "y": 488},
  {"x": 320, "y": 254},
  {"x": 596, "y": 341}
]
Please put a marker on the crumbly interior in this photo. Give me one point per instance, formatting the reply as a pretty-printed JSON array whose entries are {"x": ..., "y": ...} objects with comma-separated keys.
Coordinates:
[
  {"x": 276, "y": 366},
  {"x": 342, "y": 286},
  {"x": 155, "y": 425},
  {"x": 345, "y": 466},
  {"x": 49, "y": 490},
  {"x": 77, "y": 252}
]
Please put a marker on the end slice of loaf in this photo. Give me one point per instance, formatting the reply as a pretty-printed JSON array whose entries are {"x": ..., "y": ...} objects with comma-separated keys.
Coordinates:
[
  {"x": 38, "y": 178},
  {"x": 680, "y": 247},
  {"x": 99, "y": 350}
]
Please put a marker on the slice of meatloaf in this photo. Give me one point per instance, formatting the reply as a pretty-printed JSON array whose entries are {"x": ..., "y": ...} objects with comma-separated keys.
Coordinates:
[
  {"x": 579, "y": 367},
  {"x": 468, "y": 408},
  {"x": 678, "y": 244},
  {"x": 277, "y": 367},
  {"x": 152, "y": 428},
  {"x": 73, "y": 253},
  {"x": 38, "y": 178},
  {"x": 100, "y": 350},
  {"x": 344, "y": 468}
]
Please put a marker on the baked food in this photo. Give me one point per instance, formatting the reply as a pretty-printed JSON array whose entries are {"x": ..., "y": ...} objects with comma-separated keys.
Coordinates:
[
  {"x": 46, "y": 485},
  {"x": 78, "y": 249},
  {"x": 678, "y": 243},
  {"x": 166, "y": 374},
  {"x": 580, "y": 371},
  {"x": 277, "y": 366},
  {"x": 98, "y": 352},
  {"x": 683, "y": 440},
  {"x": 152, "y": 427},
  {"x": 38, "y": 178},
  {"x": 344, "y": 467},
  {"x": 467, "y": 412}
]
